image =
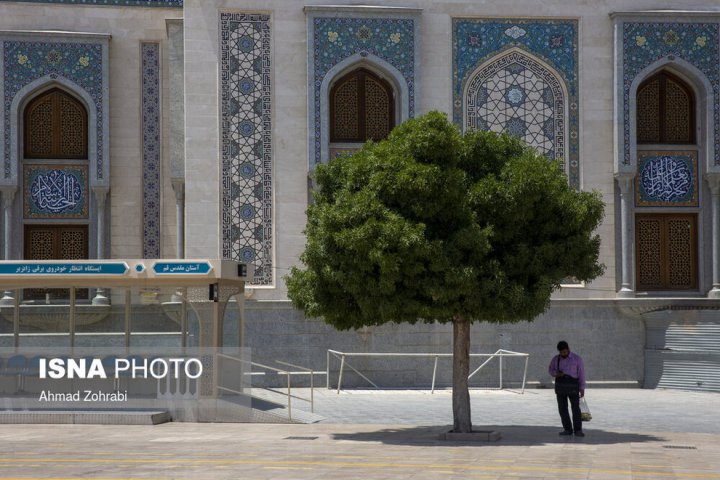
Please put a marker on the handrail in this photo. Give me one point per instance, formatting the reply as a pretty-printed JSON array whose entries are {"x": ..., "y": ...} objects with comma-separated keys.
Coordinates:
[
  {"x": 341, "y": 356},
  {"x": 285, "y": 372}
]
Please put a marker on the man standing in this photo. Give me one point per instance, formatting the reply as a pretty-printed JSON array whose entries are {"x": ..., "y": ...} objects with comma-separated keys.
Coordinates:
[{"x": 569, "y": 372}]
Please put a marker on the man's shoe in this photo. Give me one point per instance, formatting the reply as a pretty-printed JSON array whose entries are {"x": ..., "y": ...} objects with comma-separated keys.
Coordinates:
[
  {"x": 565, "y": 433},
  {"x": 579, "y": 434}
]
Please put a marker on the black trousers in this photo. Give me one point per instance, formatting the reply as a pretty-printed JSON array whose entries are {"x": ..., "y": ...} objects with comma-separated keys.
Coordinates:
[{"x": 562, "y": 401}]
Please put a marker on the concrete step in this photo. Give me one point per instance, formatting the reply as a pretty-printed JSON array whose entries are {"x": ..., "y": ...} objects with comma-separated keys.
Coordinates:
[{"x": 98, "y": 417}]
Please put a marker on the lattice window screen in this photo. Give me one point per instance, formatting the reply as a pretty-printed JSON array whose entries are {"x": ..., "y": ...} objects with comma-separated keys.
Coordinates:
[
  {"x": 677, "y": 114},
  {"x": 666, "y": 251},
  {"x": 665, "y": 111},
  {"x": 377, "y": 110},
  {"x": 346, "y": 106},
  {"x": 649, "y": 254},
  {"x": 648, "y": 112},
  {"x": 55, "y": 127}
]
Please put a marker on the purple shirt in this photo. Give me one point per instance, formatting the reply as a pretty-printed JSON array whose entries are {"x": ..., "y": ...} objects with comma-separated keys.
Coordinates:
[{"x": 572, "y": 365}]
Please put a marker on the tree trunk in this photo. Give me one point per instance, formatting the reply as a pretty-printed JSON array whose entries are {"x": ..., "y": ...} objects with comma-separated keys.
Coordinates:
[{"x": 461, "y": 369}]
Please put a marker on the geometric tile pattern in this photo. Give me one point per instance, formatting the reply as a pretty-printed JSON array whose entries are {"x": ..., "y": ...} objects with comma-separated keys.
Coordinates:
[
  {"x": 245, "y": 83},
  {"x": 647, "y": 42},
  {"x": 150, "y": 74},
  {"x": 55, "y": 191},
  {"x": 518, "y": 95},
  {"x": 81, "y": 63},
  {"x": 529, "y": 107},
  {"x": 124, "y": 3},
  {"x": 667, "y": 178},
  {"x": 335, "y": 39}
]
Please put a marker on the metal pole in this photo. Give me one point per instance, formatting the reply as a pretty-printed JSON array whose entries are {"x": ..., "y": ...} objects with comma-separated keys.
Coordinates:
[
  {"x": 525, "y": 374},
  {"x": 342, "y": 365},
  {"x": 72, "y": 317},
  {"x": 501, "y": 365},
  {"x": 16, "y": 319},
  {"x": 432, "y": 389},
  {"x": 312, "y": 392},
  {"x": 327, "y": 370},
  {"x": 289, "y": 398}
]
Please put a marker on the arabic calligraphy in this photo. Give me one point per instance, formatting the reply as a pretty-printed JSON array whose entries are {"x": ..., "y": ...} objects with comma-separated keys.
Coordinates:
[
  {"x": 666, "y": 178},
  {"x": 63, "y": 269},
  {"x": 57, "y": 191}
]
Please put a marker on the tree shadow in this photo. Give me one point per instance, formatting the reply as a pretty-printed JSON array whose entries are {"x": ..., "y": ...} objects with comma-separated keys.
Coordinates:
[{"x": 519, "y": 435}]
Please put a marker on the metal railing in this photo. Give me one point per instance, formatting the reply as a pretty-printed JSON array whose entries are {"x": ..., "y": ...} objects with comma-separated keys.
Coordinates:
[
  {"x": 288, "y": 394},
  {"x": 500, "y": 354}
]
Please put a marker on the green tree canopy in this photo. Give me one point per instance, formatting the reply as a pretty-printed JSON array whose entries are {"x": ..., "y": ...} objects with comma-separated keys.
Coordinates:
[{"x": 431, "y": 225}]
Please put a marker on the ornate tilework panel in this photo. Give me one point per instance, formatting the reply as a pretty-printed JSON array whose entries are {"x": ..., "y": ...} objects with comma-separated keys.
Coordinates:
[
  {"x": 335, "y": 39},
  {"x": 55, "y": 191},
  {"x": 667, "y": 178},
  {"x": 150, "y": 53},
  {"x": 81, "y": 63},
  {"x": 518, "y": 95},
  {"x": 246, "y": 141},
  {"x": 475, "y": 41},
  {"x": 647, "y": 42},
  {"x": 124, "y": 3}
]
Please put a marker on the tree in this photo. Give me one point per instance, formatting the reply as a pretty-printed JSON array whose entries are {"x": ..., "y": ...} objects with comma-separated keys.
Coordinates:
[{"x": 431, "y": 225}]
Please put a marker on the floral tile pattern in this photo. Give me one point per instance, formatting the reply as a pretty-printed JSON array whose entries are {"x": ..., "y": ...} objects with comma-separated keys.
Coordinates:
[
  {"x": 26, "y": 61},
  {"x": 246, "y": 142},
  {"x": 667, "y": 179},
  {"x": 516, "y": 93},
  {"x": 647, "y": 42},
  {"x": 335, "y": 39},
  {"x": 150, "y": 54}
]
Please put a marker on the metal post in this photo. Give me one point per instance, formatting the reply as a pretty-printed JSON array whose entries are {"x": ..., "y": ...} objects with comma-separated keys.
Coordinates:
[
  {"x": 289, "y": 398},
  {"x": 432, "y": 389},
  {"x": 342, "y": 366},
  {"x": 72, "y": 317},
  {"x": 327, "y": 370},
  {"x": 128, "y": 306},
  {"x": 525, "y": 373},
  {"x": 501, "y": 368},
  {"x": 16, "y": 319},
  {"x": 312, "y": 392}
]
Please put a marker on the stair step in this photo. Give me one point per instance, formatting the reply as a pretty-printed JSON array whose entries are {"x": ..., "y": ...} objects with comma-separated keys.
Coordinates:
[{"x": 97, "y": 417}]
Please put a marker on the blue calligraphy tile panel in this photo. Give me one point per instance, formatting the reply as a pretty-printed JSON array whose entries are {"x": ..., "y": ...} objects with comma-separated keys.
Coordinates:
[
  {"x": 246, "y": 141},
  {"x": 667, "y": 178},
  {"x": 80, "y": 63},
  {"x": 123, "y": 3},
  {"x": 150, "y": 53},
  {"x": 515, "y": 92},
  {"x": 55, "y": 191},
  {"x": 647, "y": 42},
  {"x": 335, "y": 39}
]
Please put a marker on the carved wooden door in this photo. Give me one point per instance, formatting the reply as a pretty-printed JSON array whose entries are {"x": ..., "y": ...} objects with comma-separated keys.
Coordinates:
[{"x": 666, "y": 251}]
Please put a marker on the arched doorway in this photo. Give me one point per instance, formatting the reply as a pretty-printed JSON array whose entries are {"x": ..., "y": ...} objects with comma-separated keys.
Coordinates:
[
  {"x": 667, "y": 197},
  {"x": 54, "y": 142}
]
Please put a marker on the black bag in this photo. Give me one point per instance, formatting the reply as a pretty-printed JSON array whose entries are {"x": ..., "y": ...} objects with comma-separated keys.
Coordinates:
[{"x": 566, "y": 385}]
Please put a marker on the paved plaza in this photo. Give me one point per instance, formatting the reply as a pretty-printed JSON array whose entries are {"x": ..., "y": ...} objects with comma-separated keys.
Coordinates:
[{"x": 634, "y": 434}]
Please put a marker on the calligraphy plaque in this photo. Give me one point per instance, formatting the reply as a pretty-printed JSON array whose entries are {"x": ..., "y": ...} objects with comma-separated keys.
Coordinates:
[
  {"x": 667, "y": 179},
  {"x": 55, "y": 191}
]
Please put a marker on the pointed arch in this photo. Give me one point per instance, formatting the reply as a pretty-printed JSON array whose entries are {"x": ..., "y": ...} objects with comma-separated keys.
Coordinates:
[
  {"x": 377, "y": 66},
  {"x": 517, "y": 92}
]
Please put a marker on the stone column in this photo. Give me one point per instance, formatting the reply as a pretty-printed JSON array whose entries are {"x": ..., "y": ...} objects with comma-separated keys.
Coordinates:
[
  {"x": 625, "y": 181},
  {"x": 714, "y": 183},
  {"x": 179, "y": 188},
  {"x": 100, "y": 197},
  {"x": 8, "y": 198}
]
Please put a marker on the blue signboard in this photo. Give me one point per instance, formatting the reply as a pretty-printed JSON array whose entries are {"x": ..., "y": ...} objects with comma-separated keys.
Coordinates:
[
  {"x": 182, "y": 268},
  {"x": 34, "y": 268}
]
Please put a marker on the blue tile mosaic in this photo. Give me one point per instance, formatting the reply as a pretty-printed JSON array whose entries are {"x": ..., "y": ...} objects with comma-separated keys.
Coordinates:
[
  {"x": 335, "y": 39},
  {"x": 555, "y": 42},
  {"x": 647, "y": 42},
  {"x": 123, "y": 3},
  {"x": 55, "y": 191},
  {"x": 246, "y": 141},
  {"x": 667, "y": 178},
  {"x": 80, "y": 63},
  {"x": 150, "y": 54}
]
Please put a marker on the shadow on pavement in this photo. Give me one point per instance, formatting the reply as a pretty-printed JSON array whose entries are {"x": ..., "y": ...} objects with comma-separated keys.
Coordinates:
[{"x": 511, "y": 435}]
